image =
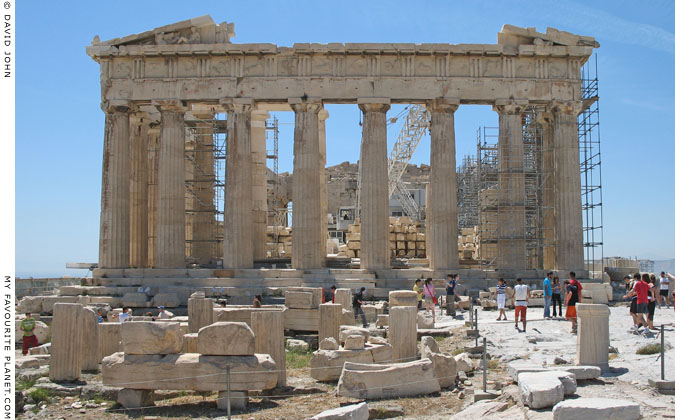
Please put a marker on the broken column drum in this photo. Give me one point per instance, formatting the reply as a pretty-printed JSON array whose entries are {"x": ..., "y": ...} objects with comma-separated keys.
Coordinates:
[{"x": 593, "y": 335}]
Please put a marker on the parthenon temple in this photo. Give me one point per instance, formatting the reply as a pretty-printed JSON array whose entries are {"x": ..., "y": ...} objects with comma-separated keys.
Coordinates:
[{"x": 167, "y": 93}]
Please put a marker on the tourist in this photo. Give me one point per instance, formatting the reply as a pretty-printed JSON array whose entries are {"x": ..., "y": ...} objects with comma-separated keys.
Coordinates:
[
  {"x": 451, "y": 288},
  {"x": 500, "y": 297},
  {"x": 556, "y": 296},
  {"x": 257, "y": 301},
  {"x": 577, "y": 283},
  {"x": 150, "y": 315},
  {"x": 572, "y": 297},
  {"x": 125, "y": 315},
  {"x": 652, "y": 296},
  {"x": 331, "y": 295},
  {"x": 628, "y": 286},
  {"x": 520, "y": 299},
  {"x": 163, "y": 314},
  {"x": 664, "y": 284},
  {"x": 632, "y": 297},
  {"x": 223, "y": 303},
  {"x": 429, "y": 297},
  {"x": 357, "y": 302},
  {"x": 418, "y": 289},
  {"x": 29, "y": 340},
  {"x": 546, "y": 287},
  {"x": 641, "y": 289}
]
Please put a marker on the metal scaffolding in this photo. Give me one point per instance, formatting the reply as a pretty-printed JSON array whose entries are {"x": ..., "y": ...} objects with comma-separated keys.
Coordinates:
[{"x": 590, "y": 169}]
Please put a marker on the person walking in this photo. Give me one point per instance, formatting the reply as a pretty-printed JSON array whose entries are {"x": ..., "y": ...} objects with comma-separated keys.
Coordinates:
[
  {"x": 125, "y": 315},
  {"x": 641, "y": 289},
  {"x": 556, "y": 296},
  {"x": 418, "y": 289},
  {"x": 664, "y": 283},
  {"x": 577, "y": 283},
  {"x": 357, "y": 302},
  {"x": 520, "y": 299},
  {"x": 500, "y": 296},
  {"x": 571, "y": 299},
  {"x": 451, "y": 288},
  {"x": 652, "y": 296},
  {"x": 163, "y": 314},
  {"x": 29, "y": 339},
  {"x": 546, "y": 287},
  {"x": 429, "y": 296}
]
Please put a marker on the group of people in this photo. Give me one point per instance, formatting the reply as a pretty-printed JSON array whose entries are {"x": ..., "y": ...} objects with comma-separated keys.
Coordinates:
[
  {"x": 427, "y": 293},
  {"x": 644, "y": 297},
  {"x": 553, "y": 289}
]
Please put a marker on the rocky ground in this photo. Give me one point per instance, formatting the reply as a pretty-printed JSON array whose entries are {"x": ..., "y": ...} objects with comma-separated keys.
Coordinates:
[{"x": 303, "y": 397}]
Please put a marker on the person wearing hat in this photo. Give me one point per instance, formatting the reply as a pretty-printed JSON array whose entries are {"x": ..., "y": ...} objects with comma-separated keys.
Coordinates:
[{"x": 163, "y": 314}]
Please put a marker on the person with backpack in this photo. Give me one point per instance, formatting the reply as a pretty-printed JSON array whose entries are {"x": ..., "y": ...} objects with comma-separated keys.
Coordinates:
[
  {"x": 451, "y": 288},
  {"x": 357, "y": 302},
  {"x": 572, "y": 297},
  {"x": 429, "y": 297}
]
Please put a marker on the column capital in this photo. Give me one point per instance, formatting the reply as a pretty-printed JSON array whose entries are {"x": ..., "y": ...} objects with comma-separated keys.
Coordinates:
[
  {"x": 374, "y": 104},
  {"x": 169, "y": 105},
  {"x": 510, "y": 106},
  {"x": 260, "y": 115},
  {"x": 118, "y": 105},
  {"x": 305, "y": 104},
  {"x": 323, "y": 115},
  {"x": 239, "y": 105},
  {"x": 447, "y": 105},
  {"x": 545, "y": 118},
  {"x": 566, "y": 107}
]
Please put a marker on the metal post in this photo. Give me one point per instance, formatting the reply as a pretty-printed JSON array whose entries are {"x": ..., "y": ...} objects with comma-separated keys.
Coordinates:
[
  {"x": 227, "y": 381},
  {"x": 484, "y": 359},
  {"x": 476, "y": 328},
  {"x": 662, "y": 352}
]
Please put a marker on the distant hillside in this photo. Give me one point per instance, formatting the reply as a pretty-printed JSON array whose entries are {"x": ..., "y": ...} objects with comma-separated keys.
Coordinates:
[{"x": 668, "y": 266}]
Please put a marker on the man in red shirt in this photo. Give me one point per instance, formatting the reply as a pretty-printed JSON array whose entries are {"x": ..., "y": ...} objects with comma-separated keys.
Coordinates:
[
  {"x": 577, "y": 283},
  {"x": 640, "y": 288}
]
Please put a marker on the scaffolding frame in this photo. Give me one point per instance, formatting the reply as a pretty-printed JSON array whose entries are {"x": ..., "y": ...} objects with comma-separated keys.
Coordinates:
[
  {"x": 275, "y": 213},
  {"x": 590, "y": 170}
]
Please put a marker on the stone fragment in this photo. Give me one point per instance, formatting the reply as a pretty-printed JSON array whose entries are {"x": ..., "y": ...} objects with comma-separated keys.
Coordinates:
[
  {"x": 402, "y": 333},
  {"x": 329, "y": 343},
  {"x": 348, "y": 330},
  {"x": 97, "y": 390},
  {"x": 349, "y": 412},
  {"x": 149, "y": 337},
  {"x": 463, "y": 363},
  {"x": 326, "y": 365},
  {"x": 302, "y": 319},
  {"x": 31, "y": 304},
  {"x": 65, "y": 354},
  {"x": 42, "y": 331},
  {"x": 190, "y": 343},
  {"x": 169, "y": 300},
  {"x": 583, "y": 372},
  {"x": 567, "y": 379},
  {"x": 269, "y": 330},
  {"x": 559, "y": 361},
  {"x": 298, "y": 300},
  {"x": 238, "y": 400},
  {"x": 300, "y": 345},
  {"x": 29, "y": 362},
  {"x": 592, "y": 335},
  {"x": 134, "y": 300},
  {"x": 480, "y": 395},
  {"x": 429, "y": 345},
  {"x": 539, "y": 391},
  {"x": 330, "y": 319},
  {"x": 135, "y": 398},
  {"x": 382, "y": 321},
  {"x": 385, "y": 410},
  {"x": 189, "y": 371},
  {"x": 517, "y": 367},
  {"x": 349, "y": 318},
  {"x": 424, "y": 321},
  {"x": 445, "y": 368},
  {"x": 377, "y": 340},
  {"x": 90, "y": 356},
  {"x": 402, "y": 298},
  {"x": 42, "y": 349},
  {"x": 48, "y": 302},
  {"x": 200, "y": 312},
  {"x": 394, "y": 380},
  {"x": 344, "y": 298},
  {"x": 109, "y": 338},
  {"x": 596, "y": 408},
  {"x": 354, "y": 342},
  {"x": 226, "y": 339}
]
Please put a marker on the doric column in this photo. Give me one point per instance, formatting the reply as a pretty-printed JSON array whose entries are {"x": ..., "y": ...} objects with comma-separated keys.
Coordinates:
[
  {"x": 259, "y": 184},
  {"x": 238, "y": 240},
  {"x": 512, "y": 253},
  {"x": 375, "y": 251},
  {"x": 170, "y": 227},
  {"x": 153, "y": 138},
  {"x": 138, "y": 249},
  {"x": 545, "y": 120},
  {"x": 114, "y": 232},
  {"x": 203, "y": 247},
  {"x": 306, "y": 194},
  {"x": 568, "y": 198},
  {"x": 442, "y": 225},
  {"x": 323, "y": 115}
]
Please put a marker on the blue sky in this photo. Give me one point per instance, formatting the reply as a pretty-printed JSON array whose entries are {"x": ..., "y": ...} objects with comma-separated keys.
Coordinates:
[{"x": 59, "y": 124}]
